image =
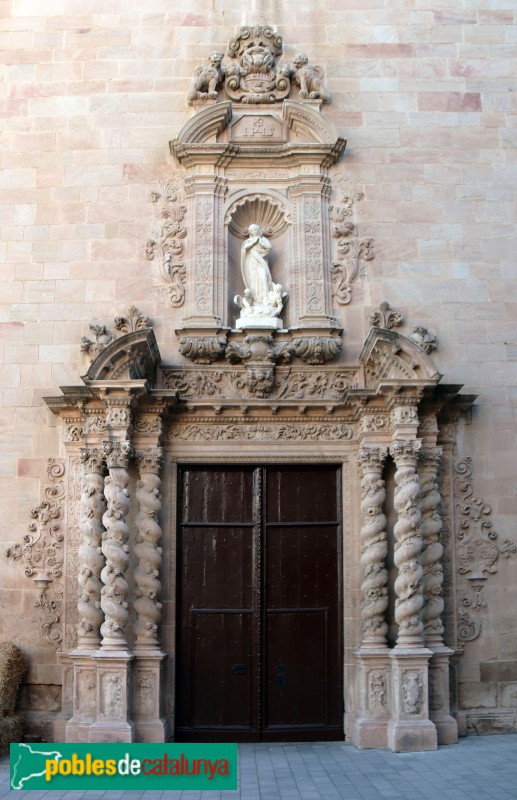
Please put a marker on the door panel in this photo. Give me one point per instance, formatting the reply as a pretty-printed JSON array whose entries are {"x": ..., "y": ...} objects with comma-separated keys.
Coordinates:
[{"x": 259, "y": 622}]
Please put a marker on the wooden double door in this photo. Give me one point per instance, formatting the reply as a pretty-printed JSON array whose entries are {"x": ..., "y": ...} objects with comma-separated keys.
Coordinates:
[{"x": 259, "y": 643}]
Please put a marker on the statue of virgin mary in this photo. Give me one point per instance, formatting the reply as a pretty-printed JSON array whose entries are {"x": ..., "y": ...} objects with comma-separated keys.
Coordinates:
[{"x": 262, "y": 298}]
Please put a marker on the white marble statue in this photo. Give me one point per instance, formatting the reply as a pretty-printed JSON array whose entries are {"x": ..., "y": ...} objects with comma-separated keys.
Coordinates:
[{"x": 263, "y": 300}]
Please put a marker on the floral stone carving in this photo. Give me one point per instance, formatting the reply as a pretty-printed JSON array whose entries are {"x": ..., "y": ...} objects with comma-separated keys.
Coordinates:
[
  {"x": 43, "y": 553},
  {"x": 352, "y": 251},
  {"x": 477, "y": 550},
  {"x": 95, "y": 346},
  {"x": 386, "y": 318},
  {"x": 165, "y": 244}
]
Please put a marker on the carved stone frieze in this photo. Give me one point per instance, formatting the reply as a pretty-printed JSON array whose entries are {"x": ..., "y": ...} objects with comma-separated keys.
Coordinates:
[
  {"x": 260, "y": 431},
  {"x": 477, "y": 550},
  {"x": 373, "y": 423},
  {"x": 230, "y": 384},
  {"x": 165, "y": 246}
]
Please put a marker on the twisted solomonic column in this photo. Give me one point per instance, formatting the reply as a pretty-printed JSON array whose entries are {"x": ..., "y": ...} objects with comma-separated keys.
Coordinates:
[
  {"x": 374, "y": 547},
  {"x": 408, "y": 545},
  {"x": 114, "y": 546},
  {"x": 147, "y": 548},
  {"x": 91, "y": 559},
  {"x": 431, "y": 558}
]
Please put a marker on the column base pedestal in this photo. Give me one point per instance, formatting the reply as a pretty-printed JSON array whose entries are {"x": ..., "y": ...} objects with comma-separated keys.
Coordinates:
[
  {"x": 411, "y": 736},
  {"x": 112, "y": 731},
  {"x": 369, "y": 734},
  {"x": 370, "y": 728}
]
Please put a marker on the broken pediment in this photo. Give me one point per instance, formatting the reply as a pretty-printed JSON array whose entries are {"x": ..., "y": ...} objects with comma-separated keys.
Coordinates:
[{"x": 389, "y": 356}]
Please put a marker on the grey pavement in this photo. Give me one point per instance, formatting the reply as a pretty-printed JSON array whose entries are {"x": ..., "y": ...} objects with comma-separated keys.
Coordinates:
[{"x": 478, "y": 768}]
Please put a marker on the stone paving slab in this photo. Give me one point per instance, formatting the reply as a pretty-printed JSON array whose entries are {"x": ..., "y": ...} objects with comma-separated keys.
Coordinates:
[{"x": 478, "y": 768}]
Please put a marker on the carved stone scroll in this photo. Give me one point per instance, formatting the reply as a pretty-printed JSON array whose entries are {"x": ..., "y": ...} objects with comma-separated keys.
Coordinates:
[
  {"x": 147, "y": 548},
  {"x": 374, "y": 547},
  {"x": 91, "y": 559},
  {"x": 114, "y": 546},
  {"x": 408, "y": 545}
]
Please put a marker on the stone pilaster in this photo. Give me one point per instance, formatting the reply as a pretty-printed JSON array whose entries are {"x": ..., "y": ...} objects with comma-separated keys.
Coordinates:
[
  {"x": 431, "y": 560},
  {"x": 410, "y": 728},
  {"x": 312, "y": 253},
  {"x": 115, "y": 548},
  {"x": 206, "y": 270}
]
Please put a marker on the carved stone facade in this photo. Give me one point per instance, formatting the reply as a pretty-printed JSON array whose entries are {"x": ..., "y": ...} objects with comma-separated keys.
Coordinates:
[{"x": 263, "y": 282}]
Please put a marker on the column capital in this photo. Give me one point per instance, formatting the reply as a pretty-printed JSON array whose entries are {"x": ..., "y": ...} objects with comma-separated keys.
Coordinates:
[
  {"x": 150, "y": 460},
  {"x": 118, "y": 454},
  {"x": 93, "y": 460}
]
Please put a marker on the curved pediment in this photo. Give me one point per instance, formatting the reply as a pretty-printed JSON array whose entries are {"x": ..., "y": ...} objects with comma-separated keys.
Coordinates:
[
  {"x": 390, "y": 356},
  {"x": 310, "y": 125},
  {"x": 134, "y": 356},
  {"x": 206, "y": 124}
]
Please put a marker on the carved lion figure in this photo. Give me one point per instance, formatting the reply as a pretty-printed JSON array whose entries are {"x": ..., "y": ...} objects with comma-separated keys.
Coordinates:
[
  {"x": 207, "y": 79},
  {"x": 308, "y": 77}
]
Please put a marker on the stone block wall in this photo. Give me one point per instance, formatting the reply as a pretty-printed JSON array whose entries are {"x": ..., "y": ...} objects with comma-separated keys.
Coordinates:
[{"x": 91, "y": 93}]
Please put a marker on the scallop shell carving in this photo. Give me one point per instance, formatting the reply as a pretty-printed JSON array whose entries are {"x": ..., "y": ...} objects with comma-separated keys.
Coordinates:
[{"x": 272, "y": 217}]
